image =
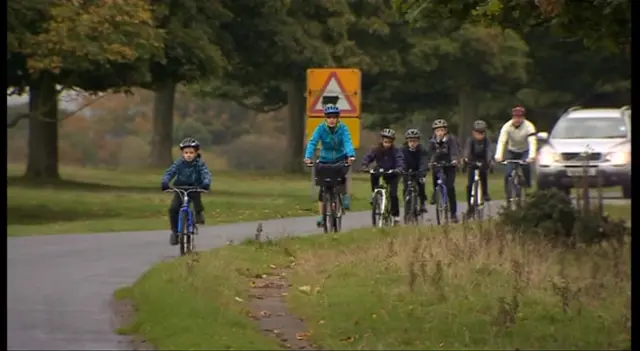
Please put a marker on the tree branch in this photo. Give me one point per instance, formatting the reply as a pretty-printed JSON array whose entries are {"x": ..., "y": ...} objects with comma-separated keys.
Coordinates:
[{"x": 15, "y": 120}]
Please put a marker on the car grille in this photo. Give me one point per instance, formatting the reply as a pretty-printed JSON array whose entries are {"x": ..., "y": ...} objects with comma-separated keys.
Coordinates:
[{"x": 575, "y": 156}]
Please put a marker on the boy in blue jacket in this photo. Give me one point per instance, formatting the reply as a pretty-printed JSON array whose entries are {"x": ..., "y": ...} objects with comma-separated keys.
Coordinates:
[
  {"x": 387, "y": 157},
  {"x": 189, "y": 170},
  {"x": 336, "y": 147}
]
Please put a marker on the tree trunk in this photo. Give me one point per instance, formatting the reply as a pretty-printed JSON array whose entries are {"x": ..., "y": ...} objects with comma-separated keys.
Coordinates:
[
  {"x": 42, "y": 162},
  {"x": 295, "y": 135},
  {"x": 162, "y": 137},
  {"x": 468, "y": 114}
]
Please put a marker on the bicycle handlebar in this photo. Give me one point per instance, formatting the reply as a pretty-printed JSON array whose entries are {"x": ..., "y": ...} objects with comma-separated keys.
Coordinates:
[
  {"x": 520, "y": 162},
  {"x": 341, "y": 164},
  {"x": 382, "y": 171},
  {"x": 442, "y": 164},
  {"x": 185, "y": 189}
]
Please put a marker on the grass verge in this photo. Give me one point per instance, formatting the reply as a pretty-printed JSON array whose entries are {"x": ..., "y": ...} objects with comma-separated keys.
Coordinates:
[
  {"x": 96, "y": 200},
  {"x": 403, "y": 288}
]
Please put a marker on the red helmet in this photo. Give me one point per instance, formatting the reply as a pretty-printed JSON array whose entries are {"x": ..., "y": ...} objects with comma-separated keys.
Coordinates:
[{"x": 518, "y": 111}]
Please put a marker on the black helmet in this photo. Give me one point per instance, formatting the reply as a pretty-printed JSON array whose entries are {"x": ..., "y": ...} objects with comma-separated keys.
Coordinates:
[
  {"x": 412, "y": 134},
  {"x": 388, "y": 133},
  {"x": 189, "y": 142}
]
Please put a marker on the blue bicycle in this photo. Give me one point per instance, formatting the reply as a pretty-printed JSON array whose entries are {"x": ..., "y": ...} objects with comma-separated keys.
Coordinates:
[
  {"x": 442, "y": 201},
  {"x": 187, "y": 228}
]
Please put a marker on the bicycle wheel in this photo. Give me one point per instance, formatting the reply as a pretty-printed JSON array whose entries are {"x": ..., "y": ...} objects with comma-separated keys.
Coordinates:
[
  {"x": 478, "y": 201},
  {"x": 376, "y": 208},
  {"x": 441, "y": 207},
  {"x": 182, "y": 233},
  {"x": 326, "y": 210},
  {"x": 408, "y": 208},
  {"x": 336, "y": 213}
]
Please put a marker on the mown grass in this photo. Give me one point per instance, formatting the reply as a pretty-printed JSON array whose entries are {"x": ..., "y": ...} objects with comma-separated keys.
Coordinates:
[
  {"x": 405, "y": 288},
  {"x": 97, "y": 200}
]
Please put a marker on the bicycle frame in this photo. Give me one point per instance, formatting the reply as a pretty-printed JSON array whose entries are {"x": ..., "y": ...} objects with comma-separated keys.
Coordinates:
[
  {"x": 383, "y": 189},
  {"x": 476, "y": 197},
  {"x": 514, "y": 176},
  {"x": 330, "y": 192},
  {"x": 411, "y": 191},
  {"x": 190, "y": 228}
]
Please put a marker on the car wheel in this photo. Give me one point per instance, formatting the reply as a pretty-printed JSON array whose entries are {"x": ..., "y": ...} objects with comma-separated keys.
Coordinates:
[{"x": 626, "y": 191}]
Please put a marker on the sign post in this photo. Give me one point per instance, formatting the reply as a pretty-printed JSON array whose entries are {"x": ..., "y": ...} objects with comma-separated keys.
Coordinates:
[{"x": 338, "y": 86}]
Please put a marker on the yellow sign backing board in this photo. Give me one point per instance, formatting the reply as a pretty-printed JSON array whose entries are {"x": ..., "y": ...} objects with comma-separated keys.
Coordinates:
[
  {"x": 352, "y": 123},
  {"x": 338, "y": 86}
]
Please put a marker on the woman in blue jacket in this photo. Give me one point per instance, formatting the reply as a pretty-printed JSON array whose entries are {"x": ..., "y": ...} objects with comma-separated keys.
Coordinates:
[{"x": 336, "y": 147}]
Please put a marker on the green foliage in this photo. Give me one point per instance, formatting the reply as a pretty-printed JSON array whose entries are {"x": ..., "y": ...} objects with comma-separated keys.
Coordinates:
[{"x": 551, "y": 214}]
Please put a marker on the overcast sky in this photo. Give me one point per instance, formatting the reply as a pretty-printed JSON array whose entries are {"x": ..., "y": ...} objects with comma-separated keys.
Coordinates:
[{"x": 68, "y": 99}]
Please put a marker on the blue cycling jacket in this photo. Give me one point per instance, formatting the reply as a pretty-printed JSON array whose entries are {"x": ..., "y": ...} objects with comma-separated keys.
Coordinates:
[
  {"x": 336, "y": 144},
  {"x": 194, "y": 173}
]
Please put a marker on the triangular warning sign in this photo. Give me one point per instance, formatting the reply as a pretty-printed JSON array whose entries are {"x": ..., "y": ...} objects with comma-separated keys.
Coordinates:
[{"x": 333, "y": 87}]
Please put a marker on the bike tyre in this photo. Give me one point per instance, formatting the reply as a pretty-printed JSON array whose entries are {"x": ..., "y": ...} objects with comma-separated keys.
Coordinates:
[
  {"x": 376, "y": 210},
  {"x": 336, "y": 213},
  {"x": 182, "y": 233},
  {"x": 441, "y": 212},
  {"x": 326, "y": 211},
  {"x": 409, "y": 209}
]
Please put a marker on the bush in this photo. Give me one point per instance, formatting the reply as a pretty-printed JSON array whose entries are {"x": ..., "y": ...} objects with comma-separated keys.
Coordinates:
[{"x": 552, "y": 214}]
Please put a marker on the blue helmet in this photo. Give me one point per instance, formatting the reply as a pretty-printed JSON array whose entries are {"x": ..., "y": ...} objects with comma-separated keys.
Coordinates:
[{"x": 331, "y": 110}]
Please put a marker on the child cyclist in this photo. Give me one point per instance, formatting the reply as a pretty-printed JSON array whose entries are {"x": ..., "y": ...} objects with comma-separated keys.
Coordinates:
[
  {"x": 477, "y": 150},
  {"x": 189, "y": 170},
  {"x": 443, "y": 147},
  {"x": 387, "y": 157},
  {"x": 336, "y": 147},
  {"x": 416, "y": 159}
]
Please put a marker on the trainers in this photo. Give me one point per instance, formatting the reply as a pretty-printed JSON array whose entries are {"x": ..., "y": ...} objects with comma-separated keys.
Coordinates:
[
  {"x": 396, "y": 220},
  {"x": 454, "y": 218},
  {"x": 320, "y": 222},
  {"x": 423, "y": 208},
  {"x": 199, "y": 218},
  {"x": 346, "y": 201},
  {"x": 173, "y": 239},
  {"x": 487, "y": 198}
]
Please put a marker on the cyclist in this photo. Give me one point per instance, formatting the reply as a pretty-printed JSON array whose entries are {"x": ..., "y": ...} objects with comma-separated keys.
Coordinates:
[
  {"x": 518, "y": 137},
  {"x": 387, "y": 157},
  {"x": 443, "y": 147},
  {"x": 416, "y": 159},
  {"x": 477, "y": 150},
  {"x": 189, "y": 170},
  {"x": 336, "y": 147}
]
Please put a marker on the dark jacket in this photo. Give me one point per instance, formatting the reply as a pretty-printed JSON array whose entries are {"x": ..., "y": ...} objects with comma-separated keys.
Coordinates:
[
  {"x": 194, "y": 173},
  {"x": 417, "y": 160},
  {"x": 390, "y": 158},
  {"x": 445, "y": 150},
  {"x": 478, "y": 150}
]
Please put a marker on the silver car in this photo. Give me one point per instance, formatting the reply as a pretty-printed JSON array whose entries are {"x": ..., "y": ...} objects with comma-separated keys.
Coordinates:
[{"x": 603, "y": 135}]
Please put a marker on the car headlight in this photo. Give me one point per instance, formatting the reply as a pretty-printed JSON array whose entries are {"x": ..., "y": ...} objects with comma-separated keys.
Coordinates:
[
  {"x": 618, "y": 158},
  {"x": 547, "y": 157}
]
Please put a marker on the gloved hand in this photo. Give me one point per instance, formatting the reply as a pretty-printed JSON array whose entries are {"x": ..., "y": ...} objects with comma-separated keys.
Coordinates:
[
  {"x": 421, "y": 179},
  {"x": 397, "y": 171},
  {"x": 165, "y": 186},
  {"x": 206, "y": 187}
]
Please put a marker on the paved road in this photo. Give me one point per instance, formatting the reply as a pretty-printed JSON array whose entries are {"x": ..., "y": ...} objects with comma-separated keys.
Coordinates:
[{"x": 59, "y": 286}]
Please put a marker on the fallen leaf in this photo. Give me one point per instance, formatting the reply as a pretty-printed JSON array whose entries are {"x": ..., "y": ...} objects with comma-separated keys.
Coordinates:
[
  {"x": 239, "y": 299},
  {"x": 253, "y": 284},
  {"x": 272, "y": 266},
  {"x": 265, "y": 313},
  {"x": 284, "y": 294},
  {"x": 374, "y": 316},
  {"x": 348, "y": 339},
  {"x": 305, "y": 289},
  {"x": 280, "y": 314},
  {"x": 302, "y": 335},
  {"x": 287, "y": 346},
  {"x": 316, "y": 290},
  {"x": 321, "y": 322},
  {"x": 264, "y": 276},
  {"x": 441, "y": 344}
]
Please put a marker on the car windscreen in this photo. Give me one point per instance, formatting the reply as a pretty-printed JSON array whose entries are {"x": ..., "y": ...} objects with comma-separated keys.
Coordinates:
[{"x": 590, "y": 128}]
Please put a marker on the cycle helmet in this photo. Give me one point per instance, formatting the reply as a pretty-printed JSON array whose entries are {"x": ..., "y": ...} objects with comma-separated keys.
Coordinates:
[
  {"x": 439, "y": 123},
  {"x": 331, "y": 110},
  {"x": 388, "y": 133},
  {"x": 412, "y": 134},
  {"x": 480, "y": 126},
  {"x": 189, "y": 142},
  {"x": 518, "y": 111}
]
